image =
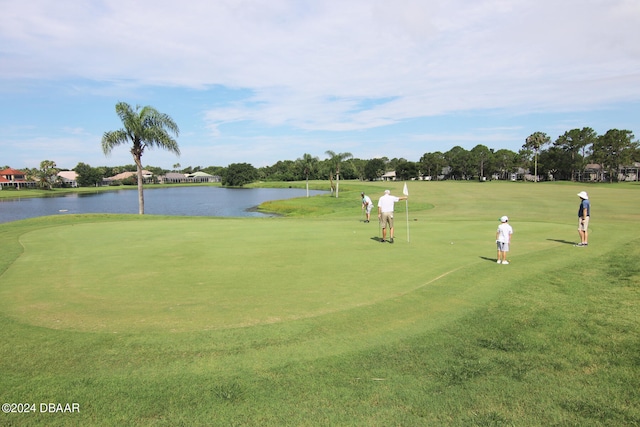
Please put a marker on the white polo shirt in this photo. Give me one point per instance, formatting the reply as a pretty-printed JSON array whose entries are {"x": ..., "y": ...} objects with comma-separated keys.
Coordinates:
[{"x": 387, "y": 202}]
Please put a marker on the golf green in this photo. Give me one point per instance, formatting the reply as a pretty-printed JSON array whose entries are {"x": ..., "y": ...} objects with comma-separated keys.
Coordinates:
[{"x": 207, "y": 274}]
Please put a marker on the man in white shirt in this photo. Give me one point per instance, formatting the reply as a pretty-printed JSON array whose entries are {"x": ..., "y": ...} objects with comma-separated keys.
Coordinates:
[{"x": 386, "y": 205}]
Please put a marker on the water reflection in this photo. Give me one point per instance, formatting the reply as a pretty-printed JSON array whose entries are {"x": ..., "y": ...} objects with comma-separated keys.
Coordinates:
[{"x": 189, "y": 201}]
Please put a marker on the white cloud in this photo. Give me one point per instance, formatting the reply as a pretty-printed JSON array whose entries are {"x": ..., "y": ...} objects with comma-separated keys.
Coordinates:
[
  {"x": 355, "y": 48},
  {"x": 331, "y": 65}
]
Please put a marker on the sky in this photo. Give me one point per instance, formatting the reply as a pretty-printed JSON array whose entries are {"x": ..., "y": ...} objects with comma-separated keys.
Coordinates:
[{"x": 259, "y": 81}]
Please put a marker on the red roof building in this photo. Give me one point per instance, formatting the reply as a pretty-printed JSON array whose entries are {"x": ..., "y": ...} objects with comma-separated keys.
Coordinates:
[
  {"x": 12, "y": 174},
  {"x": 14, "y": 178}
]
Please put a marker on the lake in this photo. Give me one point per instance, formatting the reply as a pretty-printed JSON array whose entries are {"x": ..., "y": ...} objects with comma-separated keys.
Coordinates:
[{"x": 188, "y": 201}]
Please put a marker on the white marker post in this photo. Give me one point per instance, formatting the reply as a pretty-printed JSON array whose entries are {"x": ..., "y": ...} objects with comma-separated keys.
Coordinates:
[{"x": 405, "y": 191}]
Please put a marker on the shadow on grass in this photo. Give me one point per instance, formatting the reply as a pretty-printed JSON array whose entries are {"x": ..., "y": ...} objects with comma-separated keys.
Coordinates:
[
  {"x": 488, "y": 259},
  {"x": 566, "y": 242}
]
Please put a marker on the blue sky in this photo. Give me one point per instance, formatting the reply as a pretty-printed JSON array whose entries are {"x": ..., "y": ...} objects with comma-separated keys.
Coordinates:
[{"x": 259, "y": 81}]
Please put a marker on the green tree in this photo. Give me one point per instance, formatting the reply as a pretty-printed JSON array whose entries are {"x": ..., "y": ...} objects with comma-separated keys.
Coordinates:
[
  {"x": 143, "y": 128},
  {"x": 614, "y": 149},
  {"x": 575, "y": 143},
  {"x": 214, "y": 170},
  {"x": 482, "y": 157},
  {"x": 505, "y": 162},
  {"x": 47, "y": 175},
  {"x": 307, "y": 163},
  {"x": 460, "y": 162},
  {"x": 392, "y": 164},
  {"x": 283, "y": 170},
  {"x": 336, "y": 160},
  {"x": 553, "y": 162},
  {"x": 406, "y": 170},
  {"x": 88, "y": 176},
  {"x": 156, "y": 171},
  {"x": 357, "y": 167},
  {"x": 374, "y": 169},
  {"x": 239, "y": 174},
  {"x": 432, "y": 164},
  {"x": 534, "y": 143}
]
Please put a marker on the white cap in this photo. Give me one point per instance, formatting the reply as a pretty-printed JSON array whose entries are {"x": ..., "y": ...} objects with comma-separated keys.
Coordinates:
[
  {"x": 504, "y": 219},
  {"x": 583, "y": 195}
]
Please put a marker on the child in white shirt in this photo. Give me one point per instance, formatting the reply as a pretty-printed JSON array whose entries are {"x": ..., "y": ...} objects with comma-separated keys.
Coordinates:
[{"x": 503, "y": 239}]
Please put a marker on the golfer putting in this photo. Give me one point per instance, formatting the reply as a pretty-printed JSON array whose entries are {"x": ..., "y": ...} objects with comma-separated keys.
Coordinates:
[
  {"x": 386, "y": 205},
  {"x": 367, "y": 205}
]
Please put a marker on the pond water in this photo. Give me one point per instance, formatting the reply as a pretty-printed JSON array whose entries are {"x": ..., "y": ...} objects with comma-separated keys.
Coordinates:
[{"x": 189, "y": 201}]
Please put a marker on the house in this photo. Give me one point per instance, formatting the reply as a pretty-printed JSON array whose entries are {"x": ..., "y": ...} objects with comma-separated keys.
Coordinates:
[
  {"x": 69, "y": 178},
  {"x": 147, "y": 177},
  {"x": 202, "y": 177},
  {"x": 593, "y": 172},
  {"x": 14, "y": 178},
  {"x": 172, "y": 178},
  {"x": 630, "y": 173},
  {"x": 389, "y": 176},
  {"x": 199, "y": 177}
]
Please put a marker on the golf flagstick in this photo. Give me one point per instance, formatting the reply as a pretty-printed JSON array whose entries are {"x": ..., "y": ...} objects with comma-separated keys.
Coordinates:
[{"x": 405, "y": 191}]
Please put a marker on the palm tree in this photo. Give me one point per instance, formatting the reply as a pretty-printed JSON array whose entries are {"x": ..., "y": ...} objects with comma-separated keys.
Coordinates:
[
  {"x": 335, "y": 160},
  {"x": 47, "y": 175},
  {"x": 143, "y": 127},
  {"x": 308, "y": 165},
  {"x": 535, "y": 142}
]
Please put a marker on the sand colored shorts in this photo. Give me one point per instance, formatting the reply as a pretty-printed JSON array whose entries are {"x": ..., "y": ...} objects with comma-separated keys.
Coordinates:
[
  {"x": 386, "y": 218},
  {"x": 583, "y": 225}
]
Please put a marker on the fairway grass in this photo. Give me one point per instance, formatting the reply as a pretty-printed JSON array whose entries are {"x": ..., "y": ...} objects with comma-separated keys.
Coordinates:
[{"x": 307, "y": 319}]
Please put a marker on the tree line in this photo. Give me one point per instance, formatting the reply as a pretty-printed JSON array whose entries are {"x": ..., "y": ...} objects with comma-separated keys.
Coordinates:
[
  {"x": 564, "y": 159},
  {"x": 539, "y": 158}
]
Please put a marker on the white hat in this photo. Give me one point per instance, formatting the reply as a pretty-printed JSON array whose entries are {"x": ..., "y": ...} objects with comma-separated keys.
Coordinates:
[
  {"x": 504, "y": 219},
  {"x": 583, "y": 195},
  {"x": 387, "y": 192}
]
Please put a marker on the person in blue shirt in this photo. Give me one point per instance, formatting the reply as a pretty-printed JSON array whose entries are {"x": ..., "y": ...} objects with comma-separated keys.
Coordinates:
[{"x": 584, "y": 211}]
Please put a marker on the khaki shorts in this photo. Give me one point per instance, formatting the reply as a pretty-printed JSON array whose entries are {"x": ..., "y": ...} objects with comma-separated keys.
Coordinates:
[
  {"x": 386, "y": 218},
  {"x": 583, "y": 225}
]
